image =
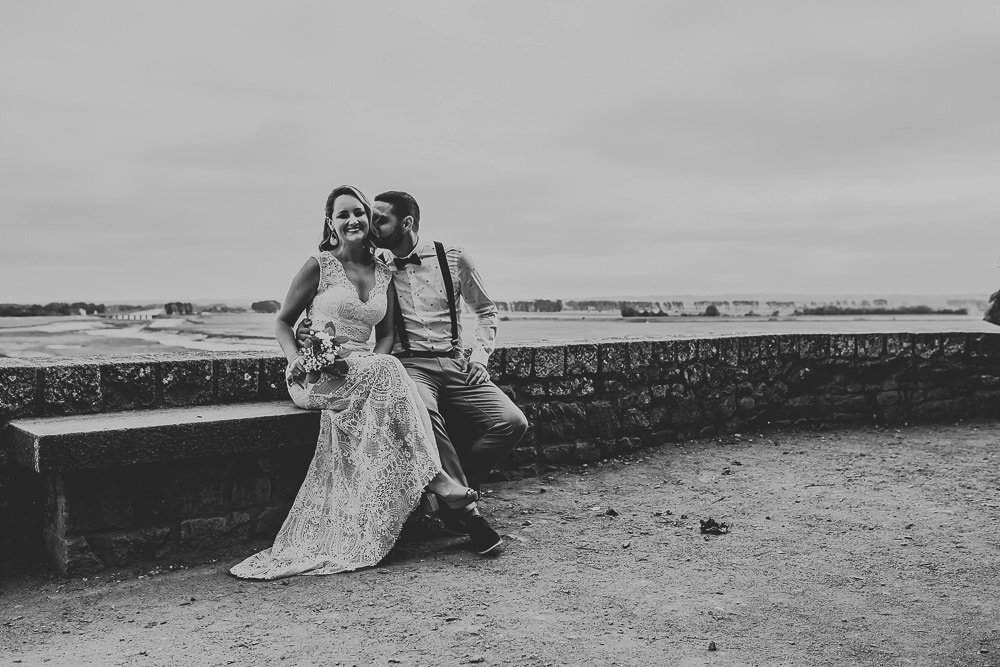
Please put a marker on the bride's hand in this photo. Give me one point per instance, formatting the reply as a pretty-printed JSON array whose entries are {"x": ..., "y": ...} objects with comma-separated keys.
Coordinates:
[{"x": 296, "y": 371}]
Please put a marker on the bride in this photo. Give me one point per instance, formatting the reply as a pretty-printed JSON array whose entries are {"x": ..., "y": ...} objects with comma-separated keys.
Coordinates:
[{"x": 376, "y": 451}]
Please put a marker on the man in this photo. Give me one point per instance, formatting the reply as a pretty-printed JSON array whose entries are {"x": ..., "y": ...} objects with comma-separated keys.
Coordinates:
[
  {"x": 993, "y": 310},
  {"x": 429, "y": 345}
]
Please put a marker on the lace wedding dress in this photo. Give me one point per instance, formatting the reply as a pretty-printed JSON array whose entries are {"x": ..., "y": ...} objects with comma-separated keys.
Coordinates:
[{"x": 375, "y": 452}]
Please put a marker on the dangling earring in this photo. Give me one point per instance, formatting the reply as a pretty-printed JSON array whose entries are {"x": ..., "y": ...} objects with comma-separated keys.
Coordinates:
[{"x": 331, "y": 239}]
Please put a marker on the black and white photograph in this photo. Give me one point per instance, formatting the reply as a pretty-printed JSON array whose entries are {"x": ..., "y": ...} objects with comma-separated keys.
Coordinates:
[{"x": 458, "y": 332}]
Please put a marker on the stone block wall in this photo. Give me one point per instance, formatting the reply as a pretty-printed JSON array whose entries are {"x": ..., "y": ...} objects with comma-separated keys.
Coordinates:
[
  {"x": 590, "y": 401},
  {"x": 115, "y": 516},
  {"x": 583, "y": 402},
  {"x": 87, "y": 385}
]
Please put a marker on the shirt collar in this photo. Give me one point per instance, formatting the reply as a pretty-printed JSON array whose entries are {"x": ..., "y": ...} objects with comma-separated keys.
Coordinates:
[
  {"x": 423, "y": 248},
  {"x": 420, "y": 248}
]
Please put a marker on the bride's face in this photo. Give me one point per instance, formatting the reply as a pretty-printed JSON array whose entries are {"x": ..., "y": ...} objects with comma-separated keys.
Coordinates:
[{"x": 349, "y": 219}]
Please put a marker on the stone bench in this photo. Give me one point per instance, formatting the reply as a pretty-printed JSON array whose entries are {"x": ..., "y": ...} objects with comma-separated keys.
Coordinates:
[{"x": 97, "y": 468}]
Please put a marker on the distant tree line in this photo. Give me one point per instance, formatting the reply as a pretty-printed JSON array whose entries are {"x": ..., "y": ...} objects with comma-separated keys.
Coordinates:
[
  {"x": 269, "y": 306},
  {"x": 536, "y": 306},
  {"x": 711, "y": 309},
  {"x": 178, "y": 308},
  {"x": 49, "y": 309},
  {"x": 597, "y": 305},
  {"x": 900, "y": 310},
  {"x": 629, "y": 309},
  {"x": 222, "y": 308}
]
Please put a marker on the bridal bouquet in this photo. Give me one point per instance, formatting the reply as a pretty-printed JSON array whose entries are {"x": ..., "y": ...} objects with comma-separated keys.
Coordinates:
[{"x": 325, "y": 353}]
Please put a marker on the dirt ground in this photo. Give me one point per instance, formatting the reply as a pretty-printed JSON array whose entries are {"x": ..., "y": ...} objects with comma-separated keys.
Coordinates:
[{"x": 854, "y": 546}]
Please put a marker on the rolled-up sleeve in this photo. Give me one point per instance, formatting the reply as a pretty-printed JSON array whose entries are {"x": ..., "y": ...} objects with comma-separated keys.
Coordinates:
[{"x": 474, "y": 294}]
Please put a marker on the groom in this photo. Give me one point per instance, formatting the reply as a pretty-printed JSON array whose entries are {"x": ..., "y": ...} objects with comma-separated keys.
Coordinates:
[{"x": 431, "y": 280}]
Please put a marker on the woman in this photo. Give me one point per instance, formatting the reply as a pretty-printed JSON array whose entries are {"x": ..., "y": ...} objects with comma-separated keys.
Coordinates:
[{"x": 376, "y": 451}]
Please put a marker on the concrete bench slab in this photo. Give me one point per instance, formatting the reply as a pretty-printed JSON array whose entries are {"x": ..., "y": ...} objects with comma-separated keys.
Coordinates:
[{"x": 86, "y": 442}]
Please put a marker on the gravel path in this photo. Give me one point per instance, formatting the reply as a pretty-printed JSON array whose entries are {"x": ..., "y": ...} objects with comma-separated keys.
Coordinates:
[{"x": 854, "y": 546}]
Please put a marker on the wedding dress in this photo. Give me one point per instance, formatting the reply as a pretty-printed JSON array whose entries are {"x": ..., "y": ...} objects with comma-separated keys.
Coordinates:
[{"x": 375, "y": 453}]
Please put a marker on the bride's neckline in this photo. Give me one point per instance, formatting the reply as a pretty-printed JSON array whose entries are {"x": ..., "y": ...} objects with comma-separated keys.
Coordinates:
[{"x": 357, "y": 293}]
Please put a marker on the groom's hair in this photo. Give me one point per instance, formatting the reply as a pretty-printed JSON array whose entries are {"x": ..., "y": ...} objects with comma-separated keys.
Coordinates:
[{"x": 403, "y": 204}]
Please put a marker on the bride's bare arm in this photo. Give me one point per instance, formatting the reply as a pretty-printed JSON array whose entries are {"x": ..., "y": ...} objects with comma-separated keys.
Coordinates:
[
  {"x": 385, "y": 330},
  {"x": 300, "y": 293}
]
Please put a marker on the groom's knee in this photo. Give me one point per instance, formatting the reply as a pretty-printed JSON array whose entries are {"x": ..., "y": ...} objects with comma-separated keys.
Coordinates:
[{"x": 514, "y": 424}]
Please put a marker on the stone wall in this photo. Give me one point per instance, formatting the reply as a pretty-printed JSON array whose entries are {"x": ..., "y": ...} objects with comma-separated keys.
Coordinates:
[
  {"x": 590, "y": 400},
  {"x": 584, "y": 402}
]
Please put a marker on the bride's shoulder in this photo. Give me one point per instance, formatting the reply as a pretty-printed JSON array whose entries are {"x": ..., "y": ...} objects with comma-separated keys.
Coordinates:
[
  {"x": 318, "y": 259},
  {"x": 309, "y": 276},
  {"x": 313, "y": 262},
  {"x": 324, "y": 264}
]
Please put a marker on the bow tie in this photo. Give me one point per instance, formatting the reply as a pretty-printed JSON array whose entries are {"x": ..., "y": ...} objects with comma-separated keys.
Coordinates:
[{"x": 401, "y": 262}]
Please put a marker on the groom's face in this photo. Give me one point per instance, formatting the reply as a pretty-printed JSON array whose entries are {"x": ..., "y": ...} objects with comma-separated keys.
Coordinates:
[{"x": 387, "y": 229}]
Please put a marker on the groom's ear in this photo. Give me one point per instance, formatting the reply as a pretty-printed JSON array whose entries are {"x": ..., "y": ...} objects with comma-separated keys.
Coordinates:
[{"x": 408, "y": 223}]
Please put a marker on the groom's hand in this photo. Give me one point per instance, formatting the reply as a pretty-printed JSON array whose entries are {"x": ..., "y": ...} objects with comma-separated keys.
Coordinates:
[
  {"x": 304, "y": 333},
  {"x": 477, "y": 373}
]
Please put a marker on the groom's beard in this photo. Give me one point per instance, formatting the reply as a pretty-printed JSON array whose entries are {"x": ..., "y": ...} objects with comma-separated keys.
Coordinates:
[{"x": 388, "y": 242}]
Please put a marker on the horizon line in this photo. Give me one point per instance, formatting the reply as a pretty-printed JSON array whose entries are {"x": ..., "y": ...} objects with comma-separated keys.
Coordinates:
[{"x": 645, "y": 297}]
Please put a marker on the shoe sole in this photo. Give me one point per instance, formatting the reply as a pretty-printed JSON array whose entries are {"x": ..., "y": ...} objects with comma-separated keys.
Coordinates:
[{"x": 486, "y": 552}]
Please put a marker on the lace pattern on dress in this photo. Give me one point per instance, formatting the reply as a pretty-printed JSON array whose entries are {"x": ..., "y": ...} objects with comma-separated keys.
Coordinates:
[{"x": 337, "y": 301}]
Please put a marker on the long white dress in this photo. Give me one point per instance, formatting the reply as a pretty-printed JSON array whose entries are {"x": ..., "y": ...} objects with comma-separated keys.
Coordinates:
[{"x": 375, "y": 453}]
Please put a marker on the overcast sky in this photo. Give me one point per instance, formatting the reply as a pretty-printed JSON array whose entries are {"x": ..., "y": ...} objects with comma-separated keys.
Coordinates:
[{"x": 184, "y": 150}]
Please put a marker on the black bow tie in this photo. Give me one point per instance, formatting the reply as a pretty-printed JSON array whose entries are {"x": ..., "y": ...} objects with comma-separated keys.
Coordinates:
[{"x": 401, "y": 262}]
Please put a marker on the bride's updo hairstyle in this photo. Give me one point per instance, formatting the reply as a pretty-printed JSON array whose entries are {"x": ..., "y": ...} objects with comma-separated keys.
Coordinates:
[{"x": 328, "y": 239}]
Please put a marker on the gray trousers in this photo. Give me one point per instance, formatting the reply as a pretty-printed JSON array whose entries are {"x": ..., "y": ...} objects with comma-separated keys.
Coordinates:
[{"x": 483, "y": 424}]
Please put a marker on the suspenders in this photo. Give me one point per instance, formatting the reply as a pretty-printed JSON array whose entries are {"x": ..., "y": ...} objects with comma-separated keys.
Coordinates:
[
  {"x": 404, "y": 338},
  {"x": 449, "y": 288}
]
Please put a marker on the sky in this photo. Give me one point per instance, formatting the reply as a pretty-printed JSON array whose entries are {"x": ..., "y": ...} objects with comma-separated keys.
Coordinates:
[{"x": 184, "y": 150}]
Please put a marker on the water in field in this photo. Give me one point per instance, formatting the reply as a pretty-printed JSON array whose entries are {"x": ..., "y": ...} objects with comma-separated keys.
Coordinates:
[{"x": 79, "y": 336}]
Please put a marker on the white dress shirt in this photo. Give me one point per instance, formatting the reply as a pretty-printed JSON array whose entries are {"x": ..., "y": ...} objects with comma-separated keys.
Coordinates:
[{"x": 423, "y": 301}]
